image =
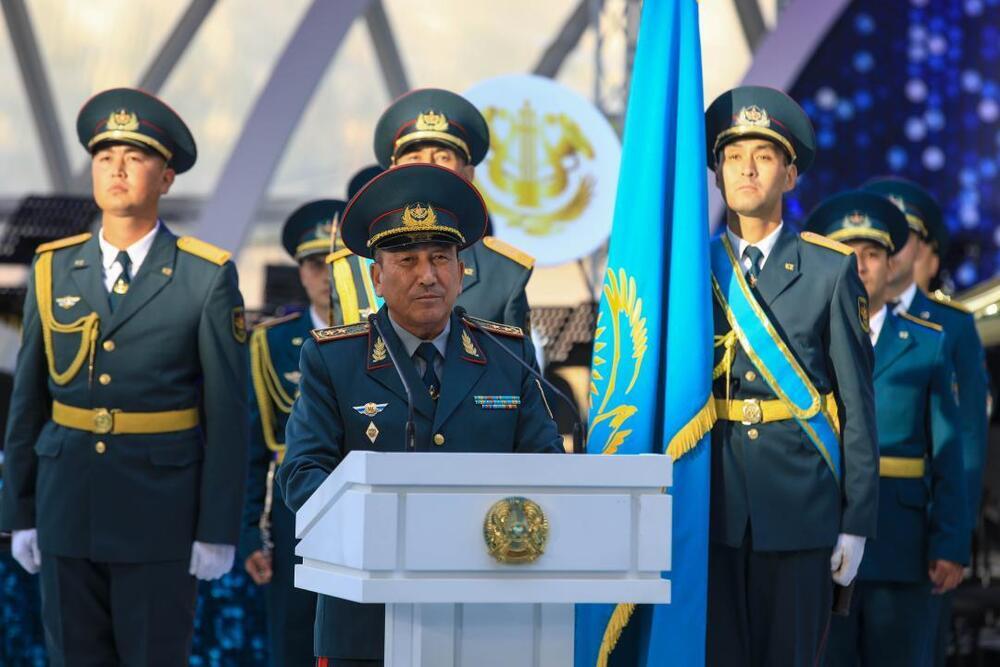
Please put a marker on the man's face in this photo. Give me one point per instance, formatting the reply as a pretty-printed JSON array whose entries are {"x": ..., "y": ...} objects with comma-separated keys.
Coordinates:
[
  {"x": 316, "y": 281},
  {"x": 439, "y": 154},
  {"x": 903, "y": 262},
  {"x": 753, "y": 174},
  {"x": 420, "y": 285},
  {"x": 873, "y": 267},
  {"x": 926, "y": 264},
  {"x": 128, "y": 181}
]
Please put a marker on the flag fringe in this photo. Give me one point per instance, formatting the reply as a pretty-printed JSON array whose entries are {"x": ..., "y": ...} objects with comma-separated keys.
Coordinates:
[
  {"x": 613, "y": 632},
  {"x": 688, "y": 437}
]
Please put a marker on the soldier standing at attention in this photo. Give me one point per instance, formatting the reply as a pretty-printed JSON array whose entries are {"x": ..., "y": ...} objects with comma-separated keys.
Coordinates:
[
  {"x": 437, "y": 126},
  {"x": 267, "y": 545},
  {"x": 917, "y": 265},
  {"x": 922, "y": 537},
  {"x": 468, "y": 395},
  {"x": 794, "y": 451},
  {"x": 127, "y": 438}
]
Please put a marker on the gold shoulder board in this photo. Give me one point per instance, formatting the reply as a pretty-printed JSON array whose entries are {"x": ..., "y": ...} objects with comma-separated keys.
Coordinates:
[
  {"x": 206, "y": 251},
  {"x": 277, "y": 320},
  {"x": 336, "y": 333},
  {"x": 922, "y": 322},
  {"x": 816, "y": 239},
  {"x": 63, "y": 243},
  {"x": 509, "y": 251},
  {"x": 945, "y": 300},
  {"x": 495, "y": 327}
]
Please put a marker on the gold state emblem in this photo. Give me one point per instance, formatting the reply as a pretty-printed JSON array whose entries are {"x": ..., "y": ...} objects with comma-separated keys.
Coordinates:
[
  {"x": 538, "y": 161},
  {"x": 516, "y": 530}
]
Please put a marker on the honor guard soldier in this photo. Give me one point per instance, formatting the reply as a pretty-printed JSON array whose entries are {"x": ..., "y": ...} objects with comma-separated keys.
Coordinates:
[
  {"x": 126, "y": 449},
  {"x": 439, "y": 127},
  {"x": 267, "y": 545},
  {"x": 922, "y": 537},
  {"x": 916, "y": 266},
  {"x": 794, "y": 451},
  {"x": 468, "y": 394}
]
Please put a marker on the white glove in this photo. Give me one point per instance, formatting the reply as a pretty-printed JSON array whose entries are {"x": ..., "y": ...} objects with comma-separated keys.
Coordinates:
[
  {"x": 211, "y": 561},
  {"x": 846, "y": 558},
  {"x": 24, "y": 548}
]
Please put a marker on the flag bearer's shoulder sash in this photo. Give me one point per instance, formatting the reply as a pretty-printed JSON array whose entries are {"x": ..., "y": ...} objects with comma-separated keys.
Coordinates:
[{"x": 770, "y": 354}]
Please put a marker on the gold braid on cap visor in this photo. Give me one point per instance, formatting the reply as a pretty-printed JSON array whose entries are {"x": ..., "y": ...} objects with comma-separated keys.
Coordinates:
[
  {"x": 112, "y": 135},
  {"x": 754, "y": 130},
  {"x": 396, "y": 231},
  {"x": 866, "y": 234},
  {"x": 430, "y": 135}
]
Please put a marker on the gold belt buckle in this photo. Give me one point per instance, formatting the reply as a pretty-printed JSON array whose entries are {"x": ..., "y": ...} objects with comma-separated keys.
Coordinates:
[
  {"x": 103, "y": 421},
  {"x": 752, "y": 412}
]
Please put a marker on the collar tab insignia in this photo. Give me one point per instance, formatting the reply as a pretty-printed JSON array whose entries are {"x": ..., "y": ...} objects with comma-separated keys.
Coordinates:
[{"x": 379, "y": 351}]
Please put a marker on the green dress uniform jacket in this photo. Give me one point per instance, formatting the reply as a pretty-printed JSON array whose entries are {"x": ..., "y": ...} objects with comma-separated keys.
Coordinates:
[
  {"x": 965, "y": 352},
  {"x": 920, "y": 518},
  {"x": 495, "y": 278},
  {"x": 769, "y": 478},
  {"x": 176, "y": 342},
  {"x": 274, "y": 369},
  {"x": 353, "y": 399}
]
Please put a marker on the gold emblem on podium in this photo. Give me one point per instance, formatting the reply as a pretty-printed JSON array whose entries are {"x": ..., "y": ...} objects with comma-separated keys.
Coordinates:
[{"x": 516, "y": 531}]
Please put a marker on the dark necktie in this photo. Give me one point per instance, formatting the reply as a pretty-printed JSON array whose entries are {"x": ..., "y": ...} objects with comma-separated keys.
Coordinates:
[
  {"x": 120, "y": 288},
  {"x": 429, "y": 354},
  {"x": 755, "y": 256}
]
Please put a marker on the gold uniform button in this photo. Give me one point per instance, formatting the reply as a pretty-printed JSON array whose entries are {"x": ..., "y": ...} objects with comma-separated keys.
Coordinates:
[
  {"x": 753, "y": 434},
  {"x": 104, "y": 378},
  {"x": 749, "y": 376},
  {"x": 100, "y": 447},
  {"x": 109, "y": 346},
  {"x": 438, "y": 439}
]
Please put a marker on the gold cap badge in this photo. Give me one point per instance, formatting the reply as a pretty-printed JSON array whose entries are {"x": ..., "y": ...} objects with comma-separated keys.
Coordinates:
[
  {"x": 123, "y": 120},
  {"x": 431, "y": 121},
  {"x": 857, "y": 219},
  {"x": 754, "y": 116},
  {"x": 415, "y": 215}
]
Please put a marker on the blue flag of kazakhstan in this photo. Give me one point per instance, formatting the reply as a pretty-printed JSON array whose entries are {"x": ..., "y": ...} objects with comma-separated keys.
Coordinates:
[{"x": 652, "y": 366}]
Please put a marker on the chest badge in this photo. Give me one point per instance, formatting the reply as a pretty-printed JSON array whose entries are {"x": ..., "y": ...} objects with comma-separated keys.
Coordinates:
[
  {"x": 372, "y": 432},
  {"x": 293, "y": 376},
  {"x": 370, "y": 409},
  {"x": 67, "y": 302},
  {"x": 297, "y": 341}
]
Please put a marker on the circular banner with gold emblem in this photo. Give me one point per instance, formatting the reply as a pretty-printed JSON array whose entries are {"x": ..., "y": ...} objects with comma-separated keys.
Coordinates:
[{"x": 550, "y": 177}]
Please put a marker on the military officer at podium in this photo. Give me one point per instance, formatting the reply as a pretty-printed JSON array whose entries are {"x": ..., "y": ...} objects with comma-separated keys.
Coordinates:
[
  {"x": 922, "y": 538},
  {"x": 267, "y": 545},
  {"x": 917, "y": 265},
  {"x": 468, "y": 394},
  {"x": 794, "y": 451},
  {"x": 127, "y": 437},
  {"x": 437, "y": 126}
]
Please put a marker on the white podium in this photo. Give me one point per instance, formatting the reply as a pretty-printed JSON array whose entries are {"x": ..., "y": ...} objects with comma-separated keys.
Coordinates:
[{"x": 410, "y": 530}]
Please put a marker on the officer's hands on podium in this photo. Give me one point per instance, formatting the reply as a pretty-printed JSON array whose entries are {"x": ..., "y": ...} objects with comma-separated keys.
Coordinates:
[
  {"x": 846, "y": 558},
  {"x": 211, "y": 561},
  {"x": 945, "y": 575},
  {"x": 258, "y": 566},
  {"x": 24, "y": 548}
]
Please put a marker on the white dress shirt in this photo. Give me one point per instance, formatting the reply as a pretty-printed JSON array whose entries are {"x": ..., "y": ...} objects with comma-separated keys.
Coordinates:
[
  {"x": 318, "y": 321},
  {"x": 906, "y": 299},
  {"x": 875, "y": 323},
  {"x": 136, "y": 252},
  {"x": 765, "y": 245}
]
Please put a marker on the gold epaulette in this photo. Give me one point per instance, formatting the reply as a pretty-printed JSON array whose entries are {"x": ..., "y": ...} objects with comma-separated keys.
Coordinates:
[
  {"x": 343, "y": 331},
  {"x": 63, "y": 243},
  {"x": 922, "y": 322},
  {"x": 816, "y": 239},
  {"x": 266, "y": 324},
  {"x": 509, "y": 251},
  {"x": 495, "y": 327},
  {"x": 206, "y": 251},
  {"x": 945, "y": 300}
]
